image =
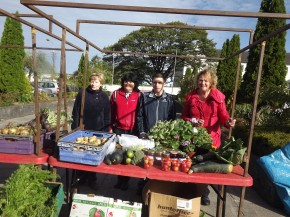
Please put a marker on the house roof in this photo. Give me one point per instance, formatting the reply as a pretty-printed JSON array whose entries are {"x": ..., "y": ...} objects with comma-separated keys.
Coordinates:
[{"x": 246, "y": 54}]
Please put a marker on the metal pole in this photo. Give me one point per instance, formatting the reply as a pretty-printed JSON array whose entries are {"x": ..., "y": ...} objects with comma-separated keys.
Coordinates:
[
  {"x": 248, "y": 153},
  {"x": 36, "y": 102}
]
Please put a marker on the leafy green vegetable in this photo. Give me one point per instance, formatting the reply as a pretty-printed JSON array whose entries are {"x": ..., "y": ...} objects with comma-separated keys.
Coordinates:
[
  {"x": 138, "y": 157},
  {"x": 231, "y": 151},
  {"x": 180, "y": 133},
  {"x": 25, "y": 194}
]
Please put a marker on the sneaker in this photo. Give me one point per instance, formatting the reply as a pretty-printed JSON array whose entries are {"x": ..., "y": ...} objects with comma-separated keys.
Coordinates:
[{"x": 205, "y": 201}]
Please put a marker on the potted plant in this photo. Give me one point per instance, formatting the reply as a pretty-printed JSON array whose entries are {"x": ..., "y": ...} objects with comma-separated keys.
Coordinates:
[{"x": 180, "y": 134}]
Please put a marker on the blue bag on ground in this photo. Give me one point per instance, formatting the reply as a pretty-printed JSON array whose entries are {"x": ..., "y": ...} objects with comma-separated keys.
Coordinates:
[{"x": 277, "y": 167}]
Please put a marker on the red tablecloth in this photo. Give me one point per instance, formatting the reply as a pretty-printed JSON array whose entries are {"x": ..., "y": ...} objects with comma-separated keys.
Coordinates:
[
  {"x": 24, "y": 158},
  {"x": 235, "y": 178}
]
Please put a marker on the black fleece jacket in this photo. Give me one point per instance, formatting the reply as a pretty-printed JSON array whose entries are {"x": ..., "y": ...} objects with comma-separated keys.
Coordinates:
[{"x": 96, "y": 110}]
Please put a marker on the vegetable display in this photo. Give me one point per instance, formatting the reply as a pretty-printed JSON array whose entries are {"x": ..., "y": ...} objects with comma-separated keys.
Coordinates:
[
  {"x": 211, "y": 167},
  {"x": 21, "y": 130},
  {"x": 231, "y": 151},
  {"x": 180, "y": 134},
  {"x": 48, "y": 118},
  {"x": 25, "y": 194}
]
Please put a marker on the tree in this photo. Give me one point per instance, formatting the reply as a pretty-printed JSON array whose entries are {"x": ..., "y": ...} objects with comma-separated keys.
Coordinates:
[
  {"x": 187, "y": 83},
  {"x": 162, "y": 41},
  {"x": 12, "y": 75},
  {"x": 274, "y": 64},
  {"x": 43, "y": 66},
  {"x": 98, "y": 65},
  {"x": 80, "y": 74},
  {"x": 227, "y": 69}
]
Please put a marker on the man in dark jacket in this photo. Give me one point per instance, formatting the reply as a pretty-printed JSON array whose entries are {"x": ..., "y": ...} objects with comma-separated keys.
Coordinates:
[{"x": 155, "y": 106}]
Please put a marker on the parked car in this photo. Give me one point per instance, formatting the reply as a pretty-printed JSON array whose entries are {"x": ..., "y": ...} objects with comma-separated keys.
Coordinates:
[
  {"x": 50, "y": 87},
  {"x": 40, "y": 89}
]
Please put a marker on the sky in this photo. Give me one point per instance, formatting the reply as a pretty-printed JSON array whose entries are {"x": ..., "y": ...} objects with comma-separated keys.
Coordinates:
[{"x": 105, "y": 35}]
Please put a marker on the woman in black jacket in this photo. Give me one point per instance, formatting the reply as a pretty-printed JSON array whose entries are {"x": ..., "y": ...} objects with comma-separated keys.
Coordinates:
[
  {"x": 96, "y": 117},
  {"x": 96, "y": 109}
]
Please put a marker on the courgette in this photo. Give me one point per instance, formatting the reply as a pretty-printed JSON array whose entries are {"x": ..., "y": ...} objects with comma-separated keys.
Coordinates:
[
  {"x": 211, "y": 167},
  {"x": 204, "y": 157}
]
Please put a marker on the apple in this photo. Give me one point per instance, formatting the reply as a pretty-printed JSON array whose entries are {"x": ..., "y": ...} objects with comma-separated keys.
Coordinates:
[{"x": 130, "y": 153}]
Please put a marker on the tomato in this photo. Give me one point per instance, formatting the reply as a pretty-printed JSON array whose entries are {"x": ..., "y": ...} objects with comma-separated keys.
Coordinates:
[
  {"x": 166, "y": 161},
  {"x": 146, "y": 166},
  {"x": 175, "y": 168},
  {"x": 185, "y": 169},
  {"x": 146, "y": 160},
  {"x": 151, "y": 162},
  {"x": 186, "y": 163},
  {"x": 165, "y": 167}
]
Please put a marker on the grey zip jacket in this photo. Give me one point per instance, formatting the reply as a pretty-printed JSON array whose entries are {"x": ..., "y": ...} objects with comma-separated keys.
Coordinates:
[{"x": 153, "y": 109}]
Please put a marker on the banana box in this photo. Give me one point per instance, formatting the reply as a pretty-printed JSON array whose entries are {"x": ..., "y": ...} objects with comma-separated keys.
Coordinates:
[
  {"x": 84, "y": 205},
  {"x": 125, "y": 209}
]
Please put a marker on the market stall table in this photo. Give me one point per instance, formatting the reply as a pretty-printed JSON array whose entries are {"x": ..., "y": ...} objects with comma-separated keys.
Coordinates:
[
  {"x": 24, "y": 158},
  {"x": 234, "y": 178}
]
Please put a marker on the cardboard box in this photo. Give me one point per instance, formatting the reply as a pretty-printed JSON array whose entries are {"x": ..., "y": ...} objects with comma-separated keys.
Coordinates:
[
  {"x": 172, "y": 198},
  {"x": 90, "y": 205},
  {"x": 125, "y": 208},
  {"x": 98, "y": 206}
]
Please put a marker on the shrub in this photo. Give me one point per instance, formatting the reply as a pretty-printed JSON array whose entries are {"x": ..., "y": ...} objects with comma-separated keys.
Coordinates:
[
  {"x": 7, "y": 99},
  {"x": 265, "y": 139}
]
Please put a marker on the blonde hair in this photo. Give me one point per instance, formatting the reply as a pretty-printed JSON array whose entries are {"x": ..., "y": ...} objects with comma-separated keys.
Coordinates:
[
  {"x": 210, "y": 74},
  {"x": 97, "y": 75}
]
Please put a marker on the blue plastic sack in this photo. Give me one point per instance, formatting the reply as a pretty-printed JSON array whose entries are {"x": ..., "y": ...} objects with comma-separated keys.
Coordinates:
[
  {"x": 277, "y": 165},
  {"x": 277, "y": 168},
  {"x": 284, "y": 194}
]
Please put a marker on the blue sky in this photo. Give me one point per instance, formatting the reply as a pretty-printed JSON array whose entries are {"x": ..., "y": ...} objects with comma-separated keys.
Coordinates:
[{"x": 104, "y": 35}]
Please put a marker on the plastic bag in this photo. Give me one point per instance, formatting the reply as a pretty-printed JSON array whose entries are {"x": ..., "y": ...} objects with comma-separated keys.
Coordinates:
[{"x": 130, "y": 141}]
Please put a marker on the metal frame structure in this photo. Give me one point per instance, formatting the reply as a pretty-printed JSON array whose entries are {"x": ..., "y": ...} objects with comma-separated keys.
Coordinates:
[
  {"x": 33, "y": 32},
  {"x": 32, "y": 3}
]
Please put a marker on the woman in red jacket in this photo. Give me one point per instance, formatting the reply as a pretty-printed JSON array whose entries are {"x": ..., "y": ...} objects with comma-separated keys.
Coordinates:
[
  {"x": 205, "y": 107},
  {"x": 124, "y": 104}
]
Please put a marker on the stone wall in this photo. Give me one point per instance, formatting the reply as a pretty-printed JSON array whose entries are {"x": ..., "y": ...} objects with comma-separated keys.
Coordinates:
[{"x": 8, "y": 112}]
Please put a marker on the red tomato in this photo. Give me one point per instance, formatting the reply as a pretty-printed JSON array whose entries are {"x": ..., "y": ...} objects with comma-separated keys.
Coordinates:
[
  {"x": 175, "y": 168},
  {"x": 185, "y": 169},
  {"x": 186, "y": 163},
  {"x": 146, "y": 166},
  {"x": 146, "y": 159},
  {"x": 166, "y": 161}
]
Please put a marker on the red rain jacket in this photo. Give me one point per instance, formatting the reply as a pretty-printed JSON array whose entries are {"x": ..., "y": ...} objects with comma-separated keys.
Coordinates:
[
  {"x": 123, "y": 110},
  {"x": 213, "y": 111}
]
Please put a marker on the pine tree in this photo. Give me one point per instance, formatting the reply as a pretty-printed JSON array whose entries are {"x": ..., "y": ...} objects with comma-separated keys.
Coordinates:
[
  {"x": 227, "y": 69},
  {"x": 274, "y": 64},
  {"x": 80, "y": 76},
  {"x": 12, "y": 74}
]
